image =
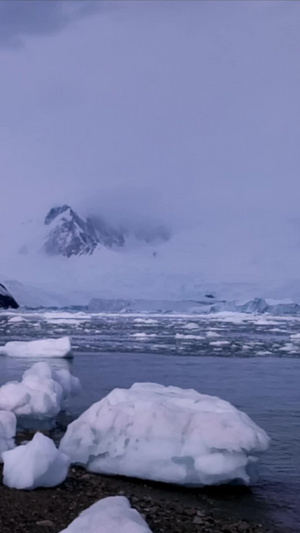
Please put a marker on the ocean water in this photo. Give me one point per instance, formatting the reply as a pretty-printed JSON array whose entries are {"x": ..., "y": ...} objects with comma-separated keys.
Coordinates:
[{"x": 252, "y": 361}]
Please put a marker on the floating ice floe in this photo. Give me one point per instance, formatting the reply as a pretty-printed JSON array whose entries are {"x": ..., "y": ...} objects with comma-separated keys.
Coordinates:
[
  {"x": 295, "y": 337},
  {"x": 187, "y": 337},
  {"x": 35, "y": 464},
  {"x": 191, "y": 325},
  {"x": 38, "y": 348},
  {"x": 110, "y": 515},
  {"x": 40, "y": 396},
  {"x": 8, "y": 423},
  {"x": 146, "y": 321},
  {"x": 212, "y": 334},
  {"x": 16, "y": 319},
  {"x": 165, "y": 434},
  {"x": 219, "y": 343},
  {"x": 142, "y": 335},
  {"x": 290, "y": 348}
]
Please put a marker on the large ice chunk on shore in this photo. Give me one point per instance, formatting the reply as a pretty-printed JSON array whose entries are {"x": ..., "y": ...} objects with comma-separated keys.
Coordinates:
[
  {"x": 38, "y": 348},
  {"x": 8, "y": 423},
  {"x": 110, "y": 515},
  {"x": 35, "y": 464},
  {"x": 165, "y": 434},
  {"x": 40, "y": 395}
]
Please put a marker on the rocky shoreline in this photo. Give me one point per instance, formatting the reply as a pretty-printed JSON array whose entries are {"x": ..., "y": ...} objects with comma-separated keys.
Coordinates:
[{"x": 166, "y": 509}]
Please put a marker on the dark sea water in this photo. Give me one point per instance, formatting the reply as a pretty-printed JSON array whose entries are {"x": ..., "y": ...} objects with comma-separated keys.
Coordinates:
[{"x": 254, "y": 362}]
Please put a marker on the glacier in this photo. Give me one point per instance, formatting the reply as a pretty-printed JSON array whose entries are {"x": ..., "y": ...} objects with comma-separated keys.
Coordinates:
[{"x": 165, "y": 434}]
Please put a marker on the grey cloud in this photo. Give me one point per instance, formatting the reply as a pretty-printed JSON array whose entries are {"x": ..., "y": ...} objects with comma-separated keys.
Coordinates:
[{"x": 22, "y": 18}]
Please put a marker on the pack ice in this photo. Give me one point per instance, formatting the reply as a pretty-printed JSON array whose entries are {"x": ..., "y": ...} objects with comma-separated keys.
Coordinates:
[
  {"x": 110, "y": 515},
  {"x": 35, "y": 464},
  {"x": 38, "y": 348},
  {"x": 40, "y": 395},
  {"x": 8, "y": 423},
  {"x": 165, "y": 434}
]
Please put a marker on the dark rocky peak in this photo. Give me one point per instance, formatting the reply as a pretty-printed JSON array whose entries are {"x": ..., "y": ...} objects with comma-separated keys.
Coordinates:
[
  {"x": 72, "y": 235},
  {"x": 69, "y": 234},
  {"x": 6, "y": 299},
  {"x": 56, "y": 211}
]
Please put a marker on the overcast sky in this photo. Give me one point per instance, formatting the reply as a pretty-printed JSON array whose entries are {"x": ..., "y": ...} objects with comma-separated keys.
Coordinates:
[{"x": 192, "y": 106}]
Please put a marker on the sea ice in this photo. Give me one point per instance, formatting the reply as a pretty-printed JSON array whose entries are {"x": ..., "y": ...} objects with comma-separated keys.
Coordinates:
[
  {"x": 35, "y": 464},
  {"x": 195, "y": 337},
  {"x": 16, "y": 319},
  {"x": 38, "y": 348},
  {"x": 40, "y": 394},
  {"x": 219, "y": 343},
  {"x": 143, "y": 335},
  {"x": 165, "y": 434},
  {"x": 212, "y": 334},
  {"x": 110, "y": 515},
  {"x": 8, "y": 423},
  {"x": 295, "y": 338},
  {"x": 191, "y": 325}
]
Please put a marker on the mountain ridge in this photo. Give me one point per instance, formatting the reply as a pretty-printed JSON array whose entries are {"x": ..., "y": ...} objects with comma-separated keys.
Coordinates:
[{"x": 70, "y": 234}]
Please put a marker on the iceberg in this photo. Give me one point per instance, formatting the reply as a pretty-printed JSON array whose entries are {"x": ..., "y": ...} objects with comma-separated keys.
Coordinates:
[
  {"x": 40, "y": 396},
  {"x": 35, "y": 464},
  {"x": 258, "y": 306},
  {"x": 8, "y": 423},
  {"x": 110, "y": 515},
  {"x": 165, "y": 434},
  {"x": 103, "y": 305},
  {"x": 38, "y": 348}
]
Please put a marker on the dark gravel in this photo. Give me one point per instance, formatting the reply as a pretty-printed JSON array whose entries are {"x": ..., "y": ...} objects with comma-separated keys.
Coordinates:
[{"x": 166, "y": 509}]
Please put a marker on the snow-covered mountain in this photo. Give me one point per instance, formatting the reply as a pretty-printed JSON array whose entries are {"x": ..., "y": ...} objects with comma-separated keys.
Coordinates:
[
  {"x": 69, "y": 234},
  {"x": 67, "y": 259}
]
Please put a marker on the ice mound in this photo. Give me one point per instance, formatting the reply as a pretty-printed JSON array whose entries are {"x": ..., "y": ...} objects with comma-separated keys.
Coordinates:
[
  {"x": 8, "y": 423},
  {"x": 165, "y": 434},
  {"x": 40, "y": 395},
  {"x": 35, "y": 464},
  {"x": 38, "y": 348},
  {"x": 110, "y": 515}
]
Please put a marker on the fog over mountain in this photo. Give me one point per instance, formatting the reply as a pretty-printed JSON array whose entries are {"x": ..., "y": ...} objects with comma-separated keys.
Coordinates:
[{"x": 176, "y": 115}]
